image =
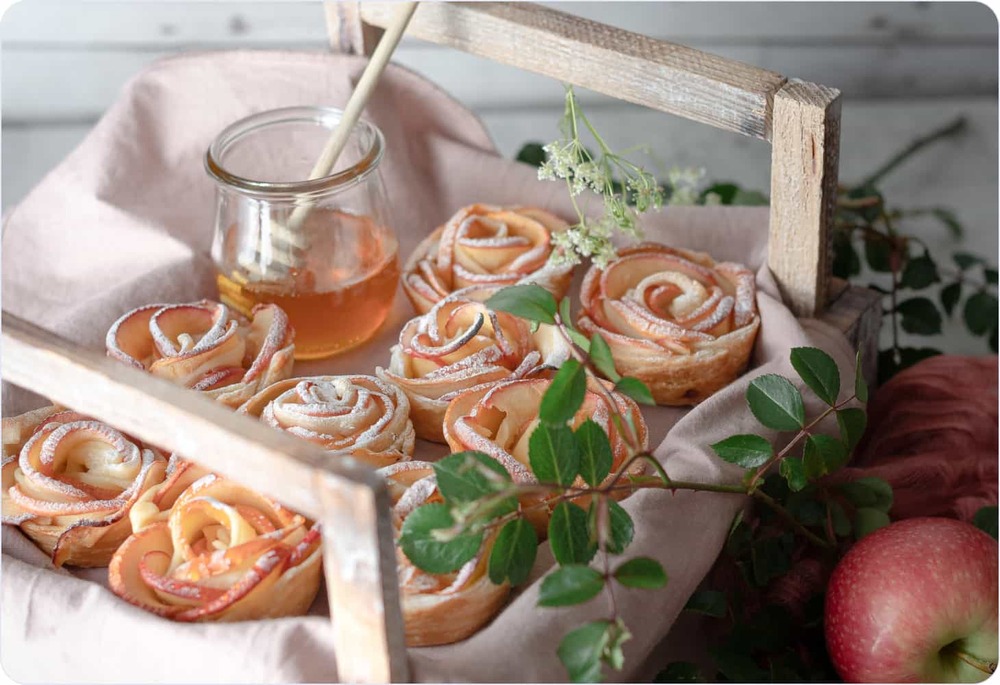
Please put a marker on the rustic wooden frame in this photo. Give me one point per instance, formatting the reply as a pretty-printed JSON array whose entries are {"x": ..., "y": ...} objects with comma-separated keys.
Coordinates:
[{"x": 800, "y": 119}]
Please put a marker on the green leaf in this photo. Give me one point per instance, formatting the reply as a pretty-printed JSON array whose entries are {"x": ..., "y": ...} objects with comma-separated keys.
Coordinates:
[
  {"x": 990, "y": 275},
  {"x": 565, "y": 394},
  {"x": 964, "y": 260},
  {"x": 818, "y": 371},
  {"x": 888, "y": 366},
  {"x": 860, "y": 384},
  {"x": 528, "y": 301},
  {"x": 580, "y": 651},
  {"x": 771, "y": 557},
  {"x": 573, "y": 584},
  {"x": 870, "y": 493},
  {"x": 680, "y": 672},
  {"x": 565, "y": 314},
  {"x": 467, "y": 476},
  {"x": 948, "y": 218},
  {"x": 993, "y": 341},
  {"x": 513, "y": 553},
  {"x": 950, "y": 295},
  {"x": 920, "y": 272},
  {"x": 776, "y": 402},
  {"x": 750, "y": 198},
  {"x": 793, "y": 471},
  {"x": 841, "y": 524},
  {"x": 748, "y": 451},
  {"x": 554, "y": 454},
  {"x": 981, "y": 313},
  {"x": 569, "y": 536},
  {"x": 868, "y": 520},
  {"x": 852, "y": 422},
  {"x": 870, "y": 212},
  {"x": 579, "y": 339},
  {"x": 708, "y": 602},
  {"x": 636, "y": 389},
  {"x": 531, "y": 153},
  {"x": 600, "y": 355},
  {"x": 596, "y": 457},
  {"x": 920, "y": 316},
  {"x": 622, "y": 527},
  {"x": 426, "y": 550},
  {"x": 878, "y": 254},
  {"x": 986, "y": 520},
  {"x": 822, "y": 455},
  {"x": 725, "y": 191},
  {"x": 614, "y": 656},
  {"x": 641, "y": 572},
  {"x": 846, "y": 262}
]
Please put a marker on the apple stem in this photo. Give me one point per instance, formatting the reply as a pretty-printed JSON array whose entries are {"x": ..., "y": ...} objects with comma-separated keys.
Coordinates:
[{"x": 983, "y": 665}]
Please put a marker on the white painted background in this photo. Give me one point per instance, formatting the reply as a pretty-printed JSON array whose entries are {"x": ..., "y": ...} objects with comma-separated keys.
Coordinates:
[{"x": 904, "y": 68}]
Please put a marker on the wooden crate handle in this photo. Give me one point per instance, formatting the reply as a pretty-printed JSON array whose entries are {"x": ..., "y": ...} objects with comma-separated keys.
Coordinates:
[
  {"x": 802, "y": 120},
  {"x": 347, "y": 497}
]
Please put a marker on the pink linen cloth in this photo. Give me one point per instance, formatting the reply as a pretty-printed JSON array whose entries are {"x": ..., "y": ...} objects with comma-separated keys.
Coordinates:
[{"x": 126, "y": 219}]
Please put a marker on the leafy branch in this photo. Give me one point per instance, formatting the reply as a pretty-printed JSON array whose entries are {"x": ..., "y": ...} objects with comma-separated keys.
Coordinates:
[{"x": 485, "y": 513}]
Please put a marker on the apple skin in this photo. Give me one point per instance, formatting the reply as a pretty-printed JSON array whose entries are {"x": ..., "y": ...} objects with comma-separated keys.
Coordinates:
[{"x": 904, "y": 593}]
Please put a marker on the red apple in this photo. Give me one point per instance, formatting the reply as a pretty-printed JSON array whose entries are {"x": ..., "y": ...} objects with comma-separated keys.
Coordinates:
[{"x": 915, "y": 601}]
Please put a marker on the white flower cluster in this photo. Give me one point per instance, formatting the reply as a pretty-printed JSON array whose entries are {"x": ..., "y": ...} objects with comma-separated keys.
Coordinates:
[{"x": 686, "y": 185}]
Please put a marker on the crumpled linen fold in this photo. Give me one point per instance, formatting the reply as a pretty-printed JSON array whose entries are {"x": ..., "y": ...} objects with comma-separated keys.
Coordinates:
[{"x": 126, "y": 219}]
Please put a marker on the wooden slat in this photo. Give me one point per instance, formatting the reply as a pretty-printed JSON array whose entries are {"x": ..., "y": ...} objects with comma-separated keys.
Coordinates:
[
  {"x": 857, "y": 313},
  {"x": 628, "y": 66},
  {"x": 804, "y": 161}
]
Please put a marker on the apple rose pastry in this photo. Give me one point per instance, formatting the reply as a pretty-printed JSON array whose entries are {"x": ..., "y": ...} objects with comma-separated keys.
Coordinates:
[
  {"x": 446, "y": 608},
  {"x": 499, "y": 421},
  {"x": 224, "y": 553},
  {"x": 359, "y": 416},
  {"x": 206, "y": 346},
  {"x": 461, "y": 344},
  {"x": 674, "y": 319},
  {"x": 485, "y": 246},
  {"x": 69, "y": 483}
]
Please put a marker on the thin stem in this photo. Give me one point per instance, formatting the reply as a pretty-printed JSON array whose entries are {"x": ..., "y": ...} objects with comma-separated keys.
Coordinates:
[
  {"x": 951, "y": 129},
  {"x": 984, "y": 665},
  {"x": 784, "y": 513}
]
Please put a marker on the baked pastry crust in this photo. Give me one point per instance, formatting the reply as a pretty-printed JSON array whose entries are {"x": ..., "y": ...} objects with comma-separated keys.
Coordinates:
[
  {"x": 485, "y": 245},
  {"x": 499, "y": 420},
  {"x": 461, "y": 344},
  {"x": 359, "y": 416},
  {"x": 207, "y": 346},
  {"x": 224, "y": 553},
  {"x": 675, "y": 319},
  {"x": 70, "y": 483},
  {"x": 438, "y": 609}
]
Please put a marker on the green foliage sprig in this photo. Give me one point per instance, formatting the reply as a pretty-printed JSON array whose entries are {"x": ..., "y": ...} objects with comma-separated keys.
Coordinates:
[{"x": 485, "y": 512}]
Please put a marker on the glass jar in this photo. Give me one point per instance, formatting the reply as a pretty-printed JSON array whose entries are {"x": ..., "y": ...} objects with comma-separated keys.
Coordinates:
[{"x": 322, "y": 249}]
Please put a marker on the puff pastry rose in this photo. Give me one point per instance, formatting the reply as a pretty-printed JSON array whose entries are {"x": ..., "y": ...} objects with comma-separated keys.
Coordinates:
[
  {"x": 674, "y": 319},
  {"x": 499, "y": 421},
  {"x": 438, "y": 609},
  {"x": 224, "y": 553},
  {"x": 69, "y": 483},
  {"x": 461, "y": 344},
  {"x": 483, "y": 245},
  {"x": 207, "y": 346},
  {"x": 359, "y": 416}
]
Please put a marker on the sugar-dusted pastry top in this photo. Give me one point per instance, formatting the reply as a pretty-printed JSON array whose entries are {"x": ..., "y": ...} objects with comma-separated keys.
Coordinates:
[
  {"x": 445, "y": 608},
  {"x": 462, "y": 344},
  {"x": 361, "y": 416},
  {"x": 484, "y": 245},
  {"x": 69, "y": 483},
  {"x": 207, "y": 346},
  {"x": 222, "y": 553},
  {"x": 673, "y": 318}
]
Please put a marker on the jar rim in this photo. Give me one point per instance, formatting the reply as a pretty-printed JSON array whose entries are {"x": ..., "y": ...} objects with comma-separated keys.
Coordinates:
[{"x": 328, "y": 116}]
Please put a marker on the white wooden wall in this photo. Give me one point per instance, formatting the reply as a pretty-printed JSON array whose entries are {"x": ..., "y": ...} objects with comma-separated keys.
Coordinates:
[{"x": 904, "y": 68}]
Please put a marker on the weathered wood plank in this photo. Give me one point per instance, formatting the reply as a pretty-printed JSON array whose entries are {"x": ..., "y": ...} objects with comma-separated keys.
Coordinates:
[
  {"x": 857, "y": 313},
  {"x": 173, "y": 418},
  {"x": 804, "y": 161},
  {"x": 629, "y": 66}
]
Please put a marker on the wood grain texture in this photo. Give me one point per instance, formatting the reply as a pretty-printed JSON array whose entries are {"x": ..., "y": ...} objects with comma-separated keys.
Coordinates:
[
  {"x": 857, "y": 313},
  {"x": 173, "y": 418},
  {"x": 628, "y": 66},
  {"x": 804, "y": 159},
  {"x": 359, "y": 560},
  {"x": 347, "y": 32}
]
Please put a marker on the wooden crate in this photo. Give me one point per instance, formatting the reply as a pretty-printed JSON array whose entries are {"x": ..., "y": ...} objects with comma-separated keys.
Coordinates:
[{"x": 801, "y": 120}]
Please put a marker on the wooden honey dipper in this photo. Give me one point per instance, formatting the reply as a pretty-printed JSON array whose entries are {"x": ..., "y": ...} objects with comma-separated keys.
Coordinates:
[{"x": 286, "y": 240}]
